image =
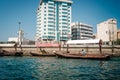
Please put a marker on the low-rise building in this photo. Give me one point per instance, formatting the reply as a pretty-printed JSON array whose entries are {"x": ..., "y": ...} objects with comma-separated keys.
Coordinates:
[
  {"x": 24, "y": 41},
  {"x": 107, "y": 30},
  {"x": 81, "y": 31},
  {"x": 13, "y": 39}
]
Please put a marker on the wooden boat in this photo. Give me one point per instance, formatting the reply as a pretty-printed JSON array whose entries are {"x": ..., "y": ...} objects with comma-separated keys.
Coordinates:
[
  {"x": 80, "y": 56},
  {"x": 7, "y": 53},
  {"x": 42, "y": 54}
]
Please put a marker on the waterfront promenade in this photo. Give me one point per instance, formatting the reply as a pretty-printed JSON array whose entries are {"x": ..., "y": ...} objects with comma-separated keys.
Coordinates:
[{"x": 106, "y": 49}]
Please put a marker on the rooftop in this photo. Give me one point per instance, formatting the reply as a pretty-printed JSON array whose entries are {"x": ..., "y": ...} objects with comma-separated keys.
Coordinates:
[{"x": 68, "y": 1}]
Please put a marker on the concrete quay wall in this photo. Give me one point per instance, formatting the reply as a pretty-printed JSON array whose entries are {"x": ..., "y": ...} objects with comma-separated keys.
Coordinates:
[{"x": 114, "y": 50}]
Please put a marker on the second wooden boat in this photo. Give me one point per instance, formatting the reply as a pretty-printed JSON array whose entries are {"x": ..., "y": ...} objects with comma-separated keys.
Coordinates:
[{"x": 80, "y": 56}]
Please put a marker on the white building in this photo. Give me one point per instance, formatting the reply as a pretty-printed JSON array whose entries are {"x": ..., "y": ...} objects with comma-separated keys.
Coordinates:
[
  {"x": 53, "y": 20},
  {"x": 24, "y": 41},
  {"x": 107, "y": 30},
  {"x": 13, "y": 39},
  {"x": 81, "y": 31}
]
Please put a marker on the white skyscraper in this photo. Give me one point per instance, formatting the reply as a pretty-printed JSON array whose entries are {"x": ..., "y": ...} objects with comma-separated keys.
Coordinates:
[{"x": 53, "y": 20}]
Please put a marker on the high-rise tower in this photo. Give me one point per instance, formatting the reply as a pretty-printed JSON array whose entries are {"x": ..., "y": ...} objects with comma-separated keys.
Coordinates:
[{"x": 53, "y": 20}]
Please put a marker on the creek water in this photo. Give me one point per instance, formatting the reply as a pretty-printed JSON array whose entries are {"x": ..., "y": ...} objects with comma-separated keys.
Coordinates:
[{"x": 53, "y": 68}]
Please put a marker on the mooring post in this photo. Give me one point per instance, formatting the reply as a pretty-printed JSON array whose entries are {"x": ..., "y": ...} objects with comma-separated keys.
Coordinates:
[
  {"x": 67, "y": 48},
  {"x": 100, "y": 46}
]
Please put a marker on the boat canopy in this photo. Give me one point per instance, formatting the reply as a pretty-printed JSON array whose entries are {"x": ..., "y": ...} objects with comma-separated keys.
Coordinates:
[{"x": 83, "y": 41}]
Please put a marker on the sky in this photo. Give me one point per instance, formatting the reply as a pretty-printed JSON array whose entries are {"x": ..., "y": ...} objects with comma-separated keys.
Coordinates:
[{"x": 91, "y": 12}]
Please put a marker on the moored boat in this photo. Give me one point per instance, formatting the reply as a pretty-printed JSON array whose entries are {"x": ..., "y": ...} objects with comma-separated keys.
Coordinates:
[
  {"x": 42, "y": 54},
  {"x": 80, "y": 56},
  {"x": 7, "y": 53}
]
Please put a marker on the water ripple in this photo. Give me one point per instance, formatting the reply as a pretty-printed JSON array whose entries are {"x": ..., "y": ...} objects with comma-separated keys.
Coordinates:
[{"x": 51, "y": 68}]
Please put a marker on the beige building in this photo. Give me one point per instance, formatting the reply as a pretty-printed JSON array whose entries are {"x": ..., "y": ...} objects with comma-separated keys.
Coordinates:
[{"x": 107, "y": 30}]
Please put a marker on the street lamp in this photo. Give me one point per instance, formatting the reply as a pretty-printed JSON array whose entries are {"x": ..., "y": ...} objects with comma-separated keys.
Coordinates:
[
  {"x": 19, "y": 24},
  {"x": 112, "y": 37}
]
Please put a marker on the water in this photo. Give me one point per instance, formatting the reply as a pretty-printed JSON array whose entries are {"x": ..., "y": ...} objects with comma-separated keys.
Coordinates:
[{"x": 52, "y": 68}]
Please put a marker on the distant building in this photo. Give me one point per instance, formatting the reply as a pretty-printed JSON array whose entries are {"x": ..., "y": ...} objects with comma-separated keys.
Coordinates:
[
  {"x": 24, "y": 41},
  {"x": 81, "y": 31},
  {"x": 53, "y": 20},
  {"x": 13, "y": 39},
  {"x": 107, "y": 30}
]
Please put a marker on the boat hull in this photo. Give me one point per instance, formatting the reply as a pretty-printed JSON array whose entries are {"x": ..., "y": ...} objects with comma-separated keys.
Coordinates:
[
  {"x": 42, "y": 55},
  {"x": 79, "y": 56},
  {"x": 12, "y": 54},
  {"x": 7, "y": 53}
]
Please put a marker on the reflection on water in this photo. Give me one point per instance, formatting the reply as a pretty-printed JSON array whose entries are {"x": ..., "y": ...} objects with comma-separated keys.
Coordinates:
[{"x": 52, "y": 68}]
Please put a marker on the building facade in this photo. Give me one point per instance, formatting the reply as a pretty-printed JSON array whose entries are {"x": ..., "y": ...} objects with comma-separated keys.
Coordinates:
[
  {"x": 53, "y": 20},
  {"x": 107, "y": 30},
  {"x": 81, "y": 31}
]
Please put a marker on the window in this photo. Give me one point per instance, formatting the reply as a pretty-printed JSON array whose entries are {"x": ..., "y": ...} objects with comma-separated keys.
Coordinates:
[
  {"x": 64, "y": 12},
  {"x": 50, "y": 14},
  {"x": 64, "y": 26},
  {"x": 50, "y": 10}
]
